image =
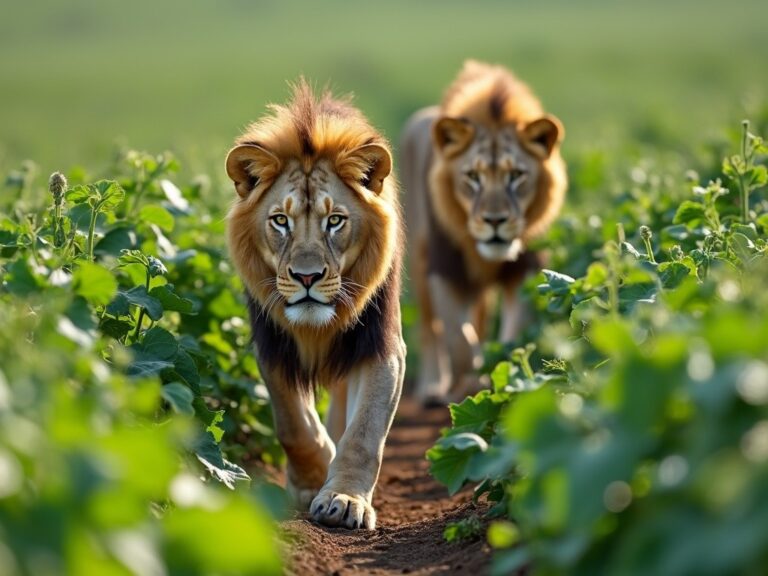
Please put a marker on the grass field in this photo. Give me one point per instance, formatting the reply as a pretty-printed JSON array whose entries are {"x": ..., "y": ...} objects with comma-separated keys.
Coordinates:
[{"x": 79, "y": 77}]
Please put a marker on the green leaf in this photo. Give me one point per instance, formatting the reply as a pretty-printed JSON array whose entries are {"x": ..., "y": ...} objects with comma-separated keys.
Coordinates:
[
  {"x": 475, "y": 413},
  {"x": 117, "y": 329},
  {"x": 503, "y": 534},
  {"x": 227, "y": 473},
  {"x": 612, "y": 337},
  {"x": 159, "y": 344},
  {"x": 20, "y": 280},
  {"x": 464, "y": 441},
  {"x": 94, "y": 283},
  {"x": 757, "y": 176},
  {"x": 450, "y": 466},
  {"x": 180, "y": 398},
  {"x": 184, "y": 367},
  {"x": 119, "y": 305},
  {"x": 500, "y": 376},
  {"x": 109, "y": 193},
  {"x": 689, "y": 213},
  {"x": 148, "y": 367},
  {"x": 138, "y": 297},
  {"x": 672, "y": 274},
  {"x": 557, "y": 283},
  {"x": 78, "y": 194},
  {"x": 156, "y": 214},
  {"x": 213, "y": 425},
  {"x": 743, "y": 247},
  {"x": 171, "y": 301},
  {"x": 116, "y": 240}
]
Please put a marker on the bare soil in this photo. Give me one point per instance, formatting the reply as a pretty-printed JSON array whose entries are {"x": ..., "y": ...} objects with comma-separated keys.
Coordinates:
[{"x": 413, "y": 511}]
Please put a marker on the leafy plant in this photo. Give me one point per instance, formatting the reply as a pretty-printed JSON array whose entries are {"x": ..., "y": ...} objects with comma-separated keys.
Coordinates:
[
  {"x": 124, "y": 367},
  {"x": 629, "y": 434}
]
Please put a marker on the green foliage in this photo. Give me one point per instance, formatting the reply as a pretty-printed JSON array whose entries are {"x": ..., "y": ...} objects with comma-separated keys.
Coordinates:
[
  {"x": 468, "y": 528},
  {"x": 629, "y": 436},
  {"x": 125, "y": 376}
]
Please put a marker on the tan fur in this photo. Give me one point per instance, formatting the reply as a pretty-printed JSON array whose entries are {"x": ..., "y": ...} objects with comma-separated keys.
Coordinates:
[
  {"x": 487, "y": 150},
  {"x": 306, "y": 162}
]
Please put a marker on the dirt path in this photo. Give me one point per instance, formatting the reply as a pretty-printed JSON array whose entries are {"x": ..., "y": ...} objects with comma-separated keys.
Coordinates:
[{"x": 413, "y": 510}]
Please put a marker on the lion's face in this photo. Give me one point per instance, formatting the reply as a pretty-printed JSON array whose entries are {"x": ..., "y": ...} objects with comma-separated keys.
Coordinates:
[
  {"x": 495, "y": 177},
  {"x": 311, "y": 238},
  {"x": 311, "y": 229}
]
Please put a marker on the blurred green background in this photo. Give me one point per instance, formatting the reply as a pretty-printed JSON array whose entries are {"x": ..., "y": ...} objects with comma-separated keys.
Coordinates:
[{"x": 79, "y": 77}]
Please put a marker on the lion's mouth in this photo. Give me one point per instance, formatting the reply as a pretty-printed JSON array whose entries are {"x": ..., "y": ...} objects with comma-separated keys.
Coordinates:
[
  {"x": 307, "y": 300},
  {"x": 496, "y": 239}
]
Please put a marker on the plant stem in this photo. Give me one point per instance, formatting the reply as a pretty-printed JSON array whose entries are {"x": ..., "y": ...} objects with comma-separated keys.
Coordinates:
[
  {"x": 141, "y": 311},
  {"x": 649, "y": 250},
  {"x": 742, "y": 188},
  {"x": 91, "y": 230}
]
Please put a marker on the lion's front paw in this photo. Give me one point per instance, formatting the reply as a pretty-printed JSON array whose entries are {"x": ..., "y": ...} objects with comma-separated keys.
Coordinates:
[{"x": 334, "y": 509}]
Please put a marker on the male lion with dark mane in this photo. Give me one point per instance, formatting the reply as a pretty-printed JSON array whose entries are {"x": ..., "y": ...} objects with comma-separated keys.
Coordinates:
[
  {"x": 315, "y": 234},
  {"x": 483, "y": 176}
]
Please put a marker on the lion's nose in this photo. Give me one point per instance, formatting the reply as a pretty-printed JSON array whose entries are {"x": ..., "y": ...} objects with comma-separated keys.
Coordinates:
[
  {"x": 495, "y": 219},
  {"x": 307, "y": 280}
]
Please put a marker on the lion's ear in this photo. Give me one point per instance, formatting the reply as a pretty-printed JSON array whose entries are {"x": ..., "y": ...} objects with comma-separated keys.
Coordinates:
[
  {"x": 249, "y": 165},
  {"x": 452, "y": 135},
  {"x": 368, "y": 165},
  {"x": 541, "y": 136}
]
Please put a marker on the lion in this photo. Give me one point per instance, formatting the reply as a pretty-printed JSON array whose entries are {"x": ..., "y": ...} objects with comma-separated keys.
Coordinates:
[
  {"x": 483, "y": 176},
  {"x": 315, "y": 233}
]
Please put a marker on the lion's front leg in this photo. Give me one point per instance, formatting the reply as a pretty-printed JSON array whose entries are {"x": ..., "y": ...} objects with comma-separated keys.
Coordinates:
[
  {"x": 372, "y": 396},
  {"x": 304, "y": 438}
]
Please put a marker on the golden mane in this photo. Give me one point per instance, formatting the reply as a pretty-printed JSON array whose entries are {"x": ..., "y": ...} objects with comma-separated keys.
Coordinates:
[
  {"x": 490, "y": 95},
  {"x": 309, "y": 130}
]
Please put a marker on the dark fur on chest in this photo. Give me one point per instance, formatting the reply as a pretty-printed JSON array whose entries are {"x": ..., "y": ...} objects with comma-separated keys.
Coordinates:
[{"x": 375, "y": 336}]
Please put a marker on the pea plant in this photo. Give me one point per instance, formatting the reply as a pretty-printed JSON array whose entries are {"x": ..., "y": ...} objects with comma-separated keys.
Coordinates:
[
  {"x": 627, "y": 431},
  {"x": 127, "y": 387}
]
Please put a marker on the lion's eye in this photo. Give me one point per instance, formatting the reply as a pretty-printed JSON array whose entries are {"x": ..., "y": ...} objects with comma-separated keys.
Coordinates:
[
  {"x": 335, "y": 221},
  {"x": 473, "y": 176},
  {"x": 516, "y": 176},
  {"x": 280, "y": 220}
]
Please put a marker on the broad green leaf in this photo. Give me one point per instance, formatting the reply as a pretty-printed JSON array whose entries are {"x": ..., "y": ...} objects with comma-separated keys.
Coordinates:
[
  {"x": 185, "y": 366},
  {"x": 78, "y": 194},
  {"x": 557, "y": 283},
  {"x": 464, "y": 441},
  {"x": 156, "y": 214},
  {"x": 450, "y": 466},
  {"x": 672, "y": 274},
  {"x": 180, "y": 398},
  {"x": 689, "y": 213},
  {"x": 743, "y": 247},
  {"x": 94, "y": 283},
  {"x": 612, "y": 337},
  {"x": 116, "y": 240},
  {"x": 228, "y": 473},
  {"x": 213, "y": 425},
  {"x": 109, "y": 193},
  {"x": 209, "y": 539},
  {"x": 475, "y": 414},
  {"x": 138, "y": 296},
  {"x": 170, "y": 300},
  {"x": 148, "y": 367},
  {"x": 597, "y": 274},
  {"x": 159, "y": 343},
  {"x": 500, "y": 376}
]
